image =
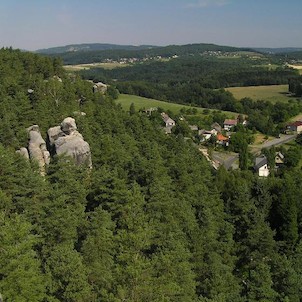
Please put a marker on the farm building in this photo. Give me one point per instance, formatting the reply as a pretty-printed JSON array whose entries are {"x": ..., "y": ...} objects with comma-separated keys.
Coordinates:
[{"x": 294, "y": 127}]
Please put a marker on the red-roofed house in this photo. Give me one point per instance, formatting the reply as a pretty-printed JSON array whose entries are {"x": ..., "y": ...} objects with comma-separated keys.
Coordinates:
[
  {"x": 295, "y": 126},
  {"x": 222, "y": 140},
  {"x": 229, "y": 124}
]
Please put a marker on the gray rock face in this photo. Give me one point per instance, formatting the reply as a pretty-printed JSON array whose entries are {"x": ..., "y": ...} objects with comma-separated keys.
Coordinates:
[
  {"x": 37, "y": 148},
  {"x": 65, "y": 139}
]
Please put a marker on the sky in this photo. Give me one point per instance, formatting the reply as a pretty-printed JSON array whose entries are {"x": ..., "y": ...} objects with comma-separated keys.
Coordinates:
[{"x": 36, "y": 24}]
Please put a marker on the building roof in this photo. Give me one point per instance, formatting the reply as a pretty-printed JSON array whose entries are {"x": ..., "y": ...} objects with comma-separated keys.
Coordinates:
[
  {"x": 221, "y": 137},
  {"x": 230, "y": 122},
  {"x": 260, "y": 161},
  {"x": 279, "y": 158},
  {"x": 216, "y": 126},
  {"x": 295, "y": 124},
  {"x": 167, "y": 118}
]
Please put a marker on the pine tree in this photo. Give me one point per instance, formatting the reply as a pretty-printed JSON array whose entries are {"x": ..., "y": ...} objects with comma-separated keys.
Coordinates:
[
  {"x": 98, "y": 250},
  {"x": 21, "y": 277}
]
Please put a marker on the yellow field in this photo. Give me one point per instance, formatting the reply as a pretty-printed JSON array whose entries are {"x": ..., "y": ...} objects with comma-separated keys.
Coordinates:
[
  {"x": 298, "y": 67},
  {"x": 272, "y": 93}
]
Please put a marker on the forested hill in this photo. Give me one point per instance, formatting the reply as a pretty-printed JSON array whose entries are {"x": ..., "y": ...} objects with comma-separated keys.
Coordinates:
[
  {"x": 90, "y": 47},
  {"x": 82, "y": 57},
  {"x": 150, "y": 221}
]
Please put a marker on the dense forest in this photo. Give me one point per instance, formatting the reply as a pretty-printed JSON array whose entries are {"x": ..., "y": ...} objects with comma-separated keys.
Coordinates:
[
  {"x": 152, "y": 221},
  {"x": 295, "y": 86}
]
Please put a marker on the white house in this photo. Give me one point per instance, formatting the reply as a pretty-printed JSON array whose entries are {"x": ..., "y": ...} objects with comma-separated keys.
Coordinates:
[
  {"x": 261, "y": 166},
  {"x": 169, "y": 123}
]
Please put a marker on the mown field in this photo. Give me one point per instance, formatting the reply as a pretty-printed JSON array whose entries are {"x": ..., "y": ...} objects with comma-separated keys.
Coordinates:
[
  {"x": 298, "y": 67},
  {"x": 78, "y": 67},
  {"x": 272, "y": 93},
  {"x": 140, "y": 102}
]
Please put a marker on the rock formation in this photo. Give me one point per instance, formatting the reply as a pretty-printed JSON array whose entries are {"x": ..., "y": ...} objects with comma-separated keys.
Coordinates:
[
  {"x": 36, "y": 150},
  {"x": 23, "y": 152},
  {"x": 62, "y": 140},
  {"x": 65, "y": 139}
]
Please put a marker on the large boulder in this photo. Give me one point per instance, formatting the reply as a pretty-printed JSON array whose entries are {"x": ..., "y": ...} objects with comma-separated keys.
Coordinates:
[{"x": 66, "y": 140}]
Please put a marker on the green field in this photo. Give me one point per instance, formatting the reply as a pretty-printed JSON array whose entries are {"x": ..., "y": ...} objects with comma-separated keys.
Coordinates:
[
  {"x": 272, "y": 93},
  {"x": 139, "y": 102}
]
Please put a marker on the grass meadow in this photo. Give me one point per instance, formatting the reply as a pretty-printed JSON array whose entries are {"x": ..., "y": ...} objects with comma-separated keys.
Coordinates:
[
  {"x": 140, "y": 102},
  {"x": 272, "y": 93}
]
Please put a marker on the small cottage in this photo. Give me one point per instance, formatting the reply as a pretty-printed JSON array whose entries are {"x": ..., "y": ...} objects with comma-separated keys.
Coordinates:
[
  {"x": 216, "y": 126},
  {"x": 228, "y": 124},
  {"x": 222, "y": 140},
  {"x": 167, "y": 120},
  {"x": 261, "y": 166}
]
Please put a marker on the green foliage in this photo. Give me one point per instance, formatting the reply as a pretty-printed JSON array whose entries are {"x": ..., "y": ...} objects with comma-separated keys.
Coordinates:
[
  {"x": 151, "y": 221},
  {"x": 21, "y": 277}
]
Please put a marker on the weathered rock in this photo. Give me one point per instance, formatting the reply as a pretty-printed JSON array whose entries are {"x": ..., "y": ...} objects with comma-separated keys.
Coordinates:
[
  {"x": 53, "y": 134},
  {"x": 100, "y": 87},
  {"x": 37, "y": 148},
  {"x": 65, "y": 139},
  {"x": 23, "y": 152},
  {"x": 79, "y": 113}
]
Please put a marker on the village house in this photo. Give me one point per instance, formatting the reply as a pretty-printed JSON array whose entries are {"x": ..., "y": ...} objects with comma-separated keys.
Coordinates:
[
  {"x": 228, "y": 124},
  {"x": 222, "y": 140},
  {"x": 294, "y": 127},
  {"x": 261, "y": 166},
  {"x": 216, "y": 126},
  {"x": 206, "y": 134},
  {"x": 168, "y": 122}
]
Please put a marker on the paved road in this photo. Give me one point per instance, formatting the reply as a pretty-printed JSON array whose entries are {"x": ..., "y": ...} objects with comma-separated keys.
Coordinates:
[
  {"x": 228, "y": 159},
  {"x": 275, "y": 142}
]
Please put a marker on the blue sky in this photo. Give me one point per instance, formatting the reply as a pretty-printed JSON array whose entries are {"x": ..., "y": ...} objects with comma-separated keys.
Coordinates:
[{"x": 33, "y": 24}]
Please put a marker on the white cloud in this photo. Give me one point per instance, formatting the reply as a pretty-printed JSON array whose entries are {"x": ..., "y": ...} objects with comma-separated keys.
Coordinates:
[{"x": 208, "y": 3}]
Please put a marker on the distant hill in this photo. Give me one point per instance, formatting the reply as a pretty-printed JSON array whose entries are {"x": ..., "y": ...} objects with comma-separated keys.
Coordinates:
[
  {"x": 297, "y": 55},
  {"x": 82, "y": 57},
  {"x": 278, "y": 50},
  {"x": 90, "y": 47}
]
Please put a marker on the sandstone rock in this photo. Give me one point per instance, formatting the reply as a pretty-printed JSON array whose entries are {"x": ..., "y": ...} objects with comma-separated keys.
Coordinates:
[
  {"x": 23, "y": 152},
  {"x": 37, "y": 147},
  {"x": 65, "y": 139}
]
